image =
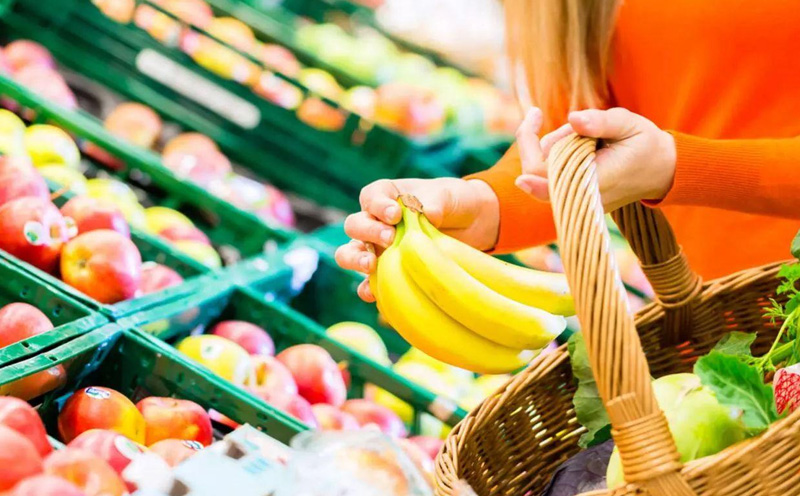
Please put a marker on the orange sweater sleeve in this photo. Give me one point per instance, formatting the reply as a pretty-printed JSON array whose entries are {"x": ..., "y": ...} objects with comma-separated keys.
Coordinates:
[
  {"x": 758, "y": 176},
  {"x": 524, "y": 221}
]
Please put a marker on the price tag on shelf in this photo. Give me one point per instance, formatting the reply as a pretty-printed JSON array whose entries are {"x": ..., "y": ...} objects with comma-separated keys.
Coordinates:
[{"x": 192, "y": 85}]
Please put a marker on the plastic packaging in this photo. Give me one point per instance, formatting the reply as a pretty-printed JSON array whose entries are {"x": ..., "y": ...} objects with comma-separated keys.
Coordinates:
[{"x": 358, "y": 463}]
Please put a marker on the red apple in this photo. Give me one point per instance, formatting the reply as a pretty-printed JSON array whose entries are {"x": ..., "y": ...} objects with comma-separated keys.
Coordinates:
[
  {"x": 5, "y": 65},
  {"x": 35, "y": 385},
  {"x": 409, "y": 109},
  {"x": 222, "y": 419},
  {"x": 156, "y": 277},
  {"x": 318, "y": 377},
  {"x": 175, "y": 451},
  {"x": 280, "y": 59},
  {"x": 428, "y": 444},
  {"x": 47, "y": 83},
  {"x": 46, "y": 485},
  {"x": 319, "y": 115},
  {"x": 92, "y": 214},
  {"x": 136, "y": 123},
  {"x": 278, "y": 91},
  {"x": 19, "y": 179},
  {"x": 117, "y": 450},
  {"x": 89, "y": 472},
  {"x": 181, "y": 232},
  {"x": 21, "y": 417},
  {"x": 19, "y": 321},
  {"x": 251, "y": 337},
  {"x": 193, "y": 143},
  {"x": 100, "y": 408},
  {"x": 170, "y": 418},
  {"x": 368, "y": 413},
  {"x": 331, "y": 418},
  {"x": 104, "y": 265},
  {"x": 33, "y": 230},
  {"x": 296, "y": 406},
  {"x": 18, "y": 458},
  {"x": 204, "y": 169},
  {"x": 21, "y": 53},
  {"x": 271, "y": 376}
]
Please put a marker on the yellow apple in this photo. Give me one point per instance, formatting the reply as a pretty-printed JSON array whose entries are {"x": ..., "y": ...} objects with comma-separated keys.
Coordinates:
[
  {"x": 200, "y": 251},
  {"x": 12, "y": 133},
  {"x": 65, "y": 177},
  {"x": 160, "y": 218},
  {"x": 222, "y": 356},
  {"x": 48, "y": 144},
  {"x": 362, "y": 338}
]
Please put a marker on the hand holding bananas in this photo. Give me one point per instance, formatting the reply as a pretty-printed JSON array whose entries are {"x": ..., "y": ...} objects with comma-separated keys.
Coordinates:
[
  {"x": 466, "y": 210},
  {"x": 462, "y": 306}
]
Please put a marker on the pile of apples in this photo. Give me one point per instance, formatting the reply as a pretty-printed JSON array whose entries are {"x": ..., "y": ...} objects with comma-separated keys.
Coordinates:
[
  {"x": 104, "y": 431},
  {"x": 413, "y": 96},
  {"x": 303, "y": 381},
  {"x": 86, "y": 242},
  {"x": 32, "y": 66},
  {"x": 192, "y": 156},
  {"x": 18, "y": 322},
  {"x": 196, "y": 158},
  {"x": 410, "y": 86}
]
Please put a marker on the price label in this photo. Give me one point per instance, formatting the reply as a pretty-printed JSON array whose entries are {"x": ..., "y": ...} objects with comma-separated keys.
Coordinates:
[{"x": 193, "y": 86}]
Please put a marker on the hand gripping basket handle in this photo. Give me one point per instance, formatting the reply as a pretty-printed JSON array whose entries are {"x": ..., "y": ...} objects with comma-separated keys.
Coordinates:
[{"x": 640, "y": 430}]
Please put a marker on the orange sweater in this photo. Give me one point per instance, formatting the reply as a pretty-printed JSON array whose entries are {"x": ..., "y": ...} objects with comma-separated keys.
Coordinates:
[{"x": 724, "y": 75}]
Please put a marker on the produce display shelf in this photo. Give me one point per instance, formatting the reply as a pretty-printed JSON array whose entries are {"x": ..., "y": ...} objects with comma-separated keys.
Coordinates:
[
  {"x": 329, "y": 167},
  {"x": 324, "y": 10},
  {"x": 287, "y": 327},
  {"x": 138, "y": 366},
  {"x": 70, "y": 317},
  {"x": 224, "y": 223}
]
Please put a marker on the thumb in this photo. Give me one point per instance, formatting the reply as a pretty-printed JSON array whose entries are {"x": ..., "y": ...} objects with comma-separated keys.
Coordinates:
[{"x": 613, "y": 124}]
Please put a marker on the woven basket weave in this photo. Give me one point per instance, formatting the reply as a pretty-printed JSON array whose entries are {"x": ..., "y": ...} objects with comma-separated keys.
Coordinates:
[{"x": 512, "y": 443}]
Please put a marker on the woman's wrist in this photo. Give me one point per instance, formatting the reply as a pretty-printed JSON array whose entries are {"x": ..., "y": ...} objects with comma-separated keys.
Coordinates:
[
  {"x": 665, "y": 176},
  {"x": 486, "y": 227}
]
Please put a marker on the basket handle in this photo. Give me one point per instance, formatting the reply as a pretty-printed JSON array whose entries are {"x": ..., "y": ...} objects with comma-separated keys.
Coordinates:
[{"x": 647, "y": 450}]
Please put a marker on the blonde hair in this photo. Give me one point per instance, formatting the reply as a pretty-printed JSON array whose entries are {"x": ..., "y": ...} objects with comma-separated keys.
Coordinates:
[{"x": 560, "y": 51}]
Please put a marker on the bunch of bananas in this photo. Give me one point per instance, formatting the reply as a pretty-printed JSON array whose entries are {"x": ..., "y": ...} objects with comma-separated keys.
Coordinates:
[{"x": 462, "y": 306}]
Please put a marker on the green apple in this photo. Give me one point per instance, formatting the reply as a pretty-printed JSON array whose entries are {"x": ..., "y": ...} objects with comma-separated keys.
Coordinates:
[{"x": 699, "y": 425}]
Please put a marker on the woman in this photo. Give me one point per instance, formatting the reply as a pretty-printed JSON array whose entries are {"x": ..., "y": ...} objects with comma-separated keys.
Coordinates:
[{"x": 706, "y": 125}]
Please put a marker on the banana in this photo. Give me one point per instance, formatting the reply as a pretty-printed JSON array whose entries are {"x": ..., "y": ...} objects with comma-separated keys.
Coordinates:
[
  {"x": 426, "y": 327},
  {"x": 468, "y": 301},
  {"x": 545, "y": 290}
]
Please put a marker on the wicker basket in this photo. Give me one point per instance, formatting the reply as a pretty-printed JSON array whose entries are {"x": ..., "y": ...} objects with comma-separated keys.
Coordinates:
[{"x": 514, "y": 441}]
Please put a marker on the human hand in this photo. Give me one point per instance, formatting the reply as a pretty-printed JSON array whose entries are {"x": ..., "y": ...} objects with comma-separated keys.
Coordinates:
[
  {"x": 466, "y": 210},
  {"x": 637, "y": 162}
]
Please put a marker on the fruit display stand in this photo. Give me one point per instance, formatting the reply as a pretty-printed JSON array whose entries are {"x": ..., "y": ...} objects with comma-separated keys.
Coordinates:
[
  {"x": 70, "y": 317},
  {"x": 287, "y": 327},
  {"x": 330, "y": 167},
  {"x": 138, "y": 366}
]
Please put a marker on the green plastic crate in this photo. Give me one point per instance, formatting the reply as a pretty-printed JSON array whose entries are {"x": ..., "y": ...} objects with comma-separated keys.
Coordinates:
[
  {"x": 330, "y": 167},
  {"x": 70, "y": 317},
  {"x": 287, "y": 327},
  {"x": 138, "y": 366},
  {"x": 226, "y": 225}
]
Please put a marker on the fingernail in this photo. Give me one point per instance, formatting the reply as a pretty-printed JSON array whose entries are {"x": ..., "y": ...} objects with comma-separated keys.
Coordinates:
[
  {"x": 579, "y": 118},
  {"x": 387, "y": 235},
  {"x": 522, "y": 184},
  {"x": 390, "y": 212},
  {"x": 364, "y": 262}
]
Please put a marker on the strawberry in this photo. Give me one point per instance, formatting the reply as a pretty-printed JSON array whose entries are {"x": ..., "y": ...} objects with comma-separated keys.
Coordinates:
[{"x": 787, "y": 388}]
